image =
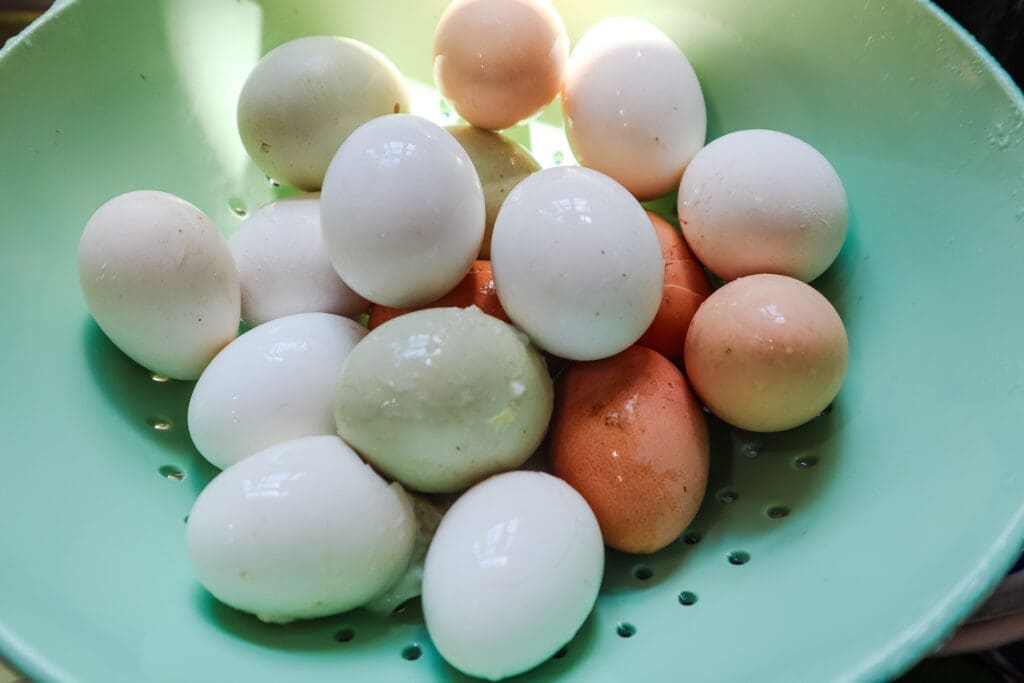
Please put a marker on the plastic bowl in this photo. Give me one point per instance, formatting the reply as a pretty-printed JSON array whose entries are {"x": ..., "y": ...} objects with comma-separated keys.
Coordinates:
[{"x": 844, "y": 550}]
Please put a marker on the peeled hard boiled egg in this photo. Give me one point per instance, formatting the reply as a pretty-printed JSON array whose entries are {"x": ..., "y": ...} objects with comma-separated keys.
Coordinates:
[
  {"x": 633, "y": 107},
  {"x": 760, "y": 201},
  {"x": 402, "y": 211},
  {"x": 306, "y": 96},
  {"x": 159, "y": 279},
  {"x": 284, "y": 267},
  {"x": 300, "y": 530},
  {"x": 500, "y": 61},
  {"x": 766, "y": 353},
  {"x": 577, "y": 263},
  {"x": 273, "y": 383},
  {"x": 441, "y": 398},
  {"x": 512, "y": 574}
]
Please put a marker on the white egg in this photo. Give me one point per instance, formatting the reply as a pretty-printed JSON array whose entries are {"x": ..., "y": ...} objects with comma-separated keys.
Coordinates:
[
  {"x": 633, "y": 106},
  {"x": 300, "y": 530},
  {"x": 274, "y": 383},
  {"x": 306, "y": 96},
  {"x": 159, "y": 279},
  {"x": 761, "y": 201},
  {"x": 402, "y": 211},
  {"x": 284, "y": 267},
  {"x": 512, "y": 574},
  {"x": 577, "y": 263}
]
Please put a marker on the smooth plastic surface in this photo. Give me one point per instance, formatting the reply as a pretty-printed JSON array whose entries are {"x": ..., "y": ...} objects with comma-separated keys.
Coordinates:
[{"x": 909, "y": 514}]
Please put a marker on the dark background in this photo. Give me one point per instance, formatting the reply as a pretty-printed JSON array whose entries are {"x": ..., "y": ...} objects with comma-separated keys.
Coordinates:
[{"x": 998, "y": 25}]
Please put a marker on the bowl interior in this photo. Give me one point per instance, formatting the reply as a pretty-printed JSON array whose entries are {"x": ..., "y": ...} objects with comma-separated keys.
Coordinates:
[{"x": 863, "y": 536}]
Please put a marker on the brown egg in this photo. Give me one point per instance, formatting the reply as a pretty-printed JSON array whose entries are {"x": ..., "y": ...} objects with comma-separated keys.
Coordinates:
[
  {"x": 686, "y": 287},
  {"x": 501, "y": 163},
  {"x": 500, "y": 61},
  {"x": 766, "y": 353},
  {"x": 476, "y": 289},
  {"x": 628, "y": 434}
]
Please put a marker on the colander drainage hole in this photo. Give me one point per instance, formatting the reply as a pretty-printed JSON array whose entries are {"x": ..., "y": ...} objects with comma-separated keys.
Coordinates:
[
  {"x": 805, "y": 462},
  {"x": 687, "y": 598},
  {"x": 412, "y": 653},
  {"x": 625, "y": 629},
  {"x": 561, "y": 653},
  {"x": 692, "y": 538},
  {"x": 643, "y": 573},
  {"x": 237, "y": 207},
  {"x": 728, "y": 496},
  {"x": 777, "y": 512},
  {"x": 172, "y": 472},
  {"x": 558, "y": 157},
  {"x": 159, "y": 424},
  {"x": 751, "y": 450},
  {"x": 344, "y": 635},
  {"x": 159, "y": 378},
  {"x": 738, "y": 557}
]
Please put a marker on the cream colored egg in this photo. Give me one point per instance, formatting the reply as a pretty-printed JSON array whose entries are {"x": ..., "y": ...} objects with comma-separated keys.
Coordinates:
[
  {"x": 284, "y": 266},
  {"x": 761, "y": 201},
  {"x": 500, "y": 163},
  {"x": 300, "y": 530},
  {"x": 633, "y": 107},
  {"x": 159, "y": 279},
  {"x": 305, "y": 97}
]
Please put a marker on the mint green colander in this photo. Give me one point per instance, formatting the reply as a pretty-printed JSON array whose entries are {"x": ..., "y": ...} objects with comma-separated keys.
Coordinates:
[{"x": 841, "y": 551}]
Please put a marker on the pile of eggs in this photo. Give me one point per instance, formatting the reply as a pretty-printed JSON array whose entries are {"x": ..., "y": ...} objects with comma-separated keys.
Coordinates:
[{"x": 437, "y": 307}]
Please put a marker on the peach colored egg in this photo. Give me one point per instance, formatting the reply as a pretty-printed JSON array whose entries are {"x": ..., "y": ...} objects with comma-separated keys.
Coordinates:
[
  {"x": 500, "y": 61},
  {"x": 766, "y": 353},
  {"x": 629, "y": 435},
  {"x": 476, "y": 289},
  {"x": 686, "y": 287}
]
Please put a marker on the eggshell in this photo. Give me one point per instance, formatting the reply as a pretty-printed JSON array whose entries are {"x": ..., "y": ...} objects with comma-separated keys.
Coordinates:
[
  {"x": 686, "y": 287},
  {"x": 444, "y": 397},
  {"x": 628, "y": 434},
  {"x": 476, "y": 289},
  {"x": 577, "y": 263},
  {"x": 274, "y": 383},
  {"x": 300, "y": 530},
  {"x": 760, "y": 201},
  {"x": 633, "y": 107},
  {"x": 501, "y": 164},
  {"x": 159, "y": 279},
  {"x": 500, "y": 61},
  {"x": 402, "y": 211},
  {"x": 305, "y": 97},
  {"x": 512, "y": 574},
  {"x": 766, "y": 353},
  {"x": 284, "y": 267}
]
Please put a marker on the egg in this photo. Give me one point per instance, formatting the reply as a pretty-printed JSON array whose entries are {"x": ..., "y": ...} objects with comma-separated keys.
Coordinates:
[
  {"x": 761, "y": 201},
  {"x": 577, "y": 263},
  {"x": 284, "y": 267},
  {"x": 305, "y": 97},
  {"x": 402, "y": 211},
  {"x": 686, "y": 287},
  {"x": 476, "y": 289},
  {"x": 633, "y": 106},
  {"x": 300, "y": 530},
  {"x": 500, "y": 163},
  {"x": 628, "y": 434},
  {"x": 274, "y": 383},
  {"x": 444, "y": 397},
  {"x": 766, "y": 353},
  {"x": 500, "y": 61},
  {"x": 159, "y": 279},
  {"x": 512, "y": 574}
]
